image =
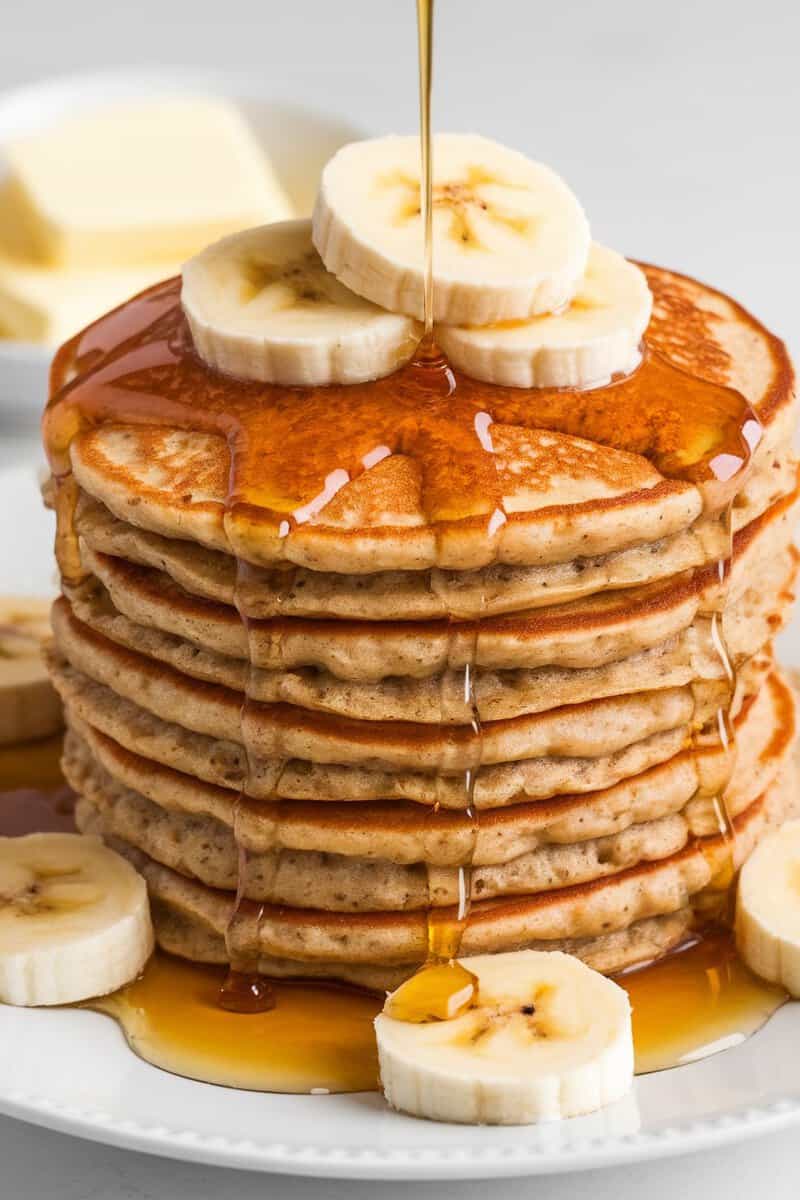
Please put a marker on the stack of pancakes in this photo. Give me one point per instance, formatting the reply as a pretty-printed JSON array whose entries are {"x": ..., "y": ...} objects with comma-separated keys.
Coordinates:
[{"x": 309, "y": 737}]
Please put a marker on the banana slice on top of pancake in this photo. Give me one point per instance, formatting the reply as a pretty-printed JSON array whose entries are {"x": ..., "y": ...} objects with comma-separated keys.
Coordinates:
[
  {"x": 261, "y": 306},
  {"x": 768, "y": 908},
  {"x": 533, "y": 1036},
  {"x": 74, "y": 919},
  {"x": 521, "y": 298},
  {"x": 596, "y": 336},
  {"x": 509, "y": 237}
]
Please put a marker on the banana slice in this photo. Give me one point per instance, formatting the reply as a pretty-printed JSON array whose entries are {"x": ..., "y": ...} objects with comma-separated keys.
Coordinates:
[
  {"x": 261, "y": 306},
  {"x": 598, "y": 335},
  {"x": 768, "y": 909},
  {"x": 74, "y": 919},
  {"x": 509, "y": 237},
  {"x": 29, "y": 707},
  {"x": 546, "y": 1037}
]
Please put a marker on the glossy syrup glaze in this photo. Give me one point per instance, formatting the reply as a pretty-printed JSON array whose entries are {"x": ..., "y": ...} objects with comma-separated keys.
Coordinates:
[{"x": 293, "y": 448}]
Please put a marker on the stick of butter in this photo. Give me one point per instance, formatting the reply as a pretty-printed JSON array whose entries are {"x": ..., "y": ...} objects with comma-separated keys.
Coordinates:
[
  {"x": 153, "y": 181},
  {"x": 38, "y": 304}
]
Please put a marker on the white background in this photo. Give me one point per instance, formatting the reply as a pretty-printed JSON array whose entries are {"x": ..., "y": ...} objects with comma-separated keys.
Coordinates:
[{"x": 676, "y": 123}]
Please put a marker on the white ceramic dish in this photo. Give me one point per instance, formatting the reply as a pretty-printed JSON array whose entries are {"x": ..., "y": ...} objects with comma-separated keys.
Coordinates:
[
  {"x": 71, "y": 1071},
  {"x": 298, "y": 141}
]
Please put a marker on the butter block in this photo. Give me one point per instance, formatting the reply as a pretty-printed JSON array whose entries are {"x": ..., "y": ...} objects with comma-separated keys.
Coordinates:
[
  {"x": 39, "y": 304},
  {"x": 157, "y": 180}
]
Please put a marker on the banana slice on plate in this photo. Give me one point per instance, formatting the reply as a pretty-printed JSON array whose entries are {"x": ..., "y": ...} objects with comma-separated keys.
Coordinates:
[
  {"x": 509, "y": 237},
  {"x": 74, "y": 919},
  {"x": 546, "y": 1037},
  {"x": 596, "y": 336},
  {"x": 768, "y": 908},
  {"x": 29, "y": 707},
  {"x": 261, "y": 306}
]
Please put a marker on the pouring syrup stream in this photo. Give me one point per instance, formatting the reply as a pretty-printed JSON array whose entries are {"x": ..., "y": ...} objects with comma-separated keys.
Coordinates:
[
  {"x": 425, "y": 51},
  {"x": 442, "y": 985}
]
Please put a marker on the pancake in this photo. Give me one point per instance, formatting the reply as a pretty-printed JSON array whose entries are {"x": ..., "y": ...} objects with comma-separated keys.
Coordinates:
[
  {"x": 201, "y": 850},
  {"x": 562, "y": 497},
  {"x": 585, "y": 633},
  {"x": 406, "y": 833},
  {"x": 755, "y": 617},
  {"x": 224, "y": 763},
  {"x": 379, "y": 948},
  {"x": 422, "y": 595},
  {"x": 345, "y": 861},
  {"x": 184, "y": 926},
  {"x": 281, "y": 731}
]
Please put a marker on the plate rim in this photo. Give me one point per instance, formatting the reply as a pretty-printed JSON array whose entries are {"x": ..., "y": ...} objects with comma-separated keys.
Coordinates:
[{"x": 397, "y": 1163}]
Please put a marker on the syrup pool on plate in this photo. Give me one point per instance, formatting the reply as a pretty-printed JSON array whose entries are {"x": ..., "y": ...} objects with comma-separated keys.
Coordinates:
[
  {"x": 316, "y": 1037},
  {"x": 33, "y": 795},
  {"x": 695, "y": 1002}
]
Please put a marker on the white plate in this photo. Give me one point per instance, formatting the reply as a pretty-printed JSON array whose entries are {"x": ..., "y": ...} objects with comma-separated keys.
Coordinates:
[
  {"x": 299, "y": 143},
  {"x": 72, "y": 1071}
]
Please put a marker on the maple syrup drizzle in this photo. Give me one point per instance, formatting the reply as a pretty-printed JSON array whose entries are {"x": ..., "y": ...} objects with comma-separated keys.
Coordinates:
[
  {"x": 442, "y": 986},
  {"x": 244, "y": 989},
  {"x": 714, "y": 904},
  {"x": 425, "y": 53},
  {"x": 291, "y": 445}
]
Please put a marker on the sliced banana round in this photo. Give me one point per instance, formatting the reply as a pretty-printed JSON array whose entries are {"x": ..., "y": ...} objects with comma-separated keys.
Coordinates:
[
  {"x": 768, "y": 909},
  {"x": 261, "y": 306},
  {"x": 509, "y": 237},
  {"x": 596, "y": 336},
  {"x": 546, "y": 1037},
  {"x": 29, "y": 706},
  {"x": 74, "y": 919}
]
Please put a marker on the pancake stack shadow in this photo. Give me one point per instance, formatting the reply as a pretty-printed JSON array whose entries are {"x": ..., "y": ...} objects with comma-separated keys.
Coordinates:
[{"x": 334, "y": 798}]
